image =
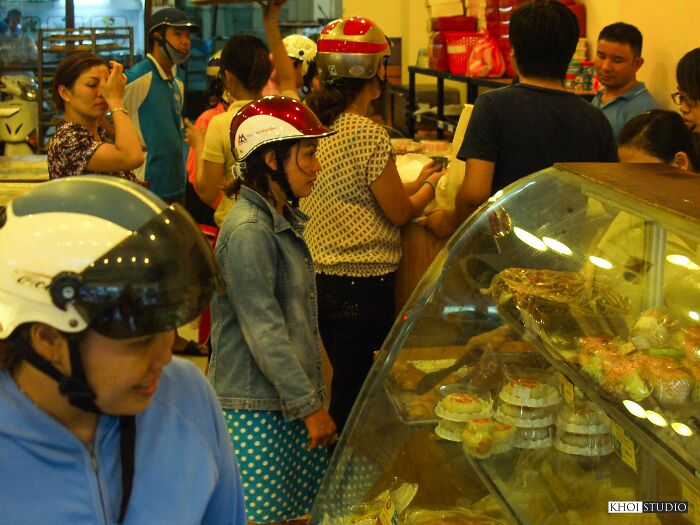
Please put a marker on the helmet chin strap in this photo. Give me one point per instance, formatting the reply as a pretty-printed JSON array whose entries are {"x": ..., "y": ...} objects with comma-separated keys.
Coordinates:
[
  {"x": 280, "y": 177},
  {"x": 74, "y": 387},
  {"x": 175, "y": 56}
]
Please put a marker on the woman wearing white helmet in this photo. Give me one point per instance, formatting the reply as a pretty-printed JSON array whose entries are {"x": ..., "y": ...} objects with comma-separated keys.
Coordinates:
[
  {"x": 266, "y": 364},
  {"x": 98, "y": 424},
  {"x": 358, "y": 205},
  {"x": 302, "y": 50}
]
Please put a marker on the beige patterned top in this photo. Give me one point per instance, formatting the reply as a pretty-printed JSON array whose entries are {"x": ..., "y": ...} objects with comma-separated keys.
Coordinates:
[{"x": 348, "y": 234}]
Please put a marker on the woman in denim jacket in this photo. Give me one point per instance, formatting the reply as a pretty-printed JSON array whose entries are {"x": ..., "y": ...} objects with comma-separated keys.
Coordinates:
[{"x": 266, "y": 361}]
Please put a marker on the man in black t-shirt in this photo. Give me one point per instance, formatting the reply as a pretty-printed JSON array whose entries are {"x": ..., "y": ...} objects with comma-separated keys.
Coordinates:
[{"x": 525, "y": 127}]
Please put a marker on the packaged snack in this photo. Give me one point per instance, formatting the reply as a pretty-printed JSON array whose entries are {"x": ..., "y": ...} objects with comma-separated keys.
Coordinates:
[
  {"x": 463, "y": 406},
  {"x": 484, "y": 437},
  {"x": 651, "y": 329},
  {"x": 529, "y": 393},
  {"x": 524, "y": 416},
  {"x": 583, "y": 418},
  {"x": 533, "y": 438},
  {"x": 590, "y": 445}
]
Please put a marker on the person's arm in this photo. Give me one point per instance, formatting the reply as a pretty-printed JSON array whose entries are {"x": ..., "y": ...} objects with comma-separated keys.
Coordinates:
[
  {"x": 413, "y": 186},
  {"x": 249, "y": 258},
  {"x": 194, "y": 136},
  {"x": 209, "y": 180},
  {"x": 125, "y": 153},
  {"x": 475, "y": 189},
  {"x": 399, "y": 207},
  {"x": 212, "y": 175},
  {"x": 281, "y": 63}
]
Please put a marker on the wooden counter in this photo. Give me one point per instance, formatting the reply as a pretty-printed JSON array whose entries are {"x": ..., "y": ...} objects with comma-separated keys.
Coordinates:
[{"x": 419, "y": 247}]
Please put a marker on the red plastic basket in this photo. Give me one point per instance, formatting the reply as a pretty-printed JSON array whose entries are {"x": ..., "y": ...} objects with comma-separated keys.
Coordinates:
[{"x": 459, "y": 46}]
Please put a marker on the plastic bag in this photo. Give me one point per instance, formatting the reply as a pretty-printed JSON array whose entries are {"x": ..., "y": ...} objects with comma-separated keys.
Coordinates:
[
  {"x": 449, "y": 184},
  {"x": 486, "y": 59}
]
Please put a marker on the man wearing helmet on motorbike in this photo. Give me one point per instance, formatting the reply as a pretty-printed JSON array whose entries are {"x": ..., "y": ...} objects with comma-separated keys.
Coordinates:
[
  {"x": 96, "y": 418},
  {"x": 358, "y": 206},
  {"x": 154, "y": 99},
  {"x": 266, "y": 361}
]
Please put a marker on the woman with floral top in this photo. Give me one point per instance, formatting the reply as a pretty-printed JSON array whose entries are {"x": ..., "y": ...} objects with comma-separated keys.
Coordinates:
[{"x": 85, "y": 90}]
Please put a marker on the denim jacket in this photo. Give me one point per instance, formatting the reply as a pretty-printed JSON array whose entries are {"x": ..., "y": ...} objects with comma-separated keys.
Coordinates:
[{"x": 266, "y": 352}]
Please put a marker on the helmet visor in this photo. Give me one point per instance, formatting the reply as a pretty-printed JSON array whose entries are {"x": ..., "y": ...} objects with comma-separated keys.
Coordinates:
[{"x": 158, "y": 278}]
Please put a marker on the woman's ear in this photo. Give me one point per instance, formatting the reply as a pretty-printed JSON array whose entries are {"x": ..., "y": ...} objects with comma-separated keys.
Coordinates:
[
  {"x": 50, "y": 344},
  {"x": 271, "y": 159},
  {"x": 64, "y": 93},
  {"x": 680, "y": 160}
]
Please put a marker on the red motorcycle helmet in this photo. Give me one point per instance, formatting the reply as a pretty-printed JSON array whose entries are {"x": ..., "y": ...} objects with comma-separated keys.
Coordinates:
[
  {"x": 273, "y": 119},
  {"x": 352, "y": 48}
]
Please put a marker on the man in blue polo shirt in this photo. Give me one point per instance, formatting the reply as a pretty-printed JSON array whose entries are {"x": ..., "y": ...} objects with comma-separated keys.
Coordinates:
[
  {"x": 617, "y": 60},
  {"x": 155, "y": 97}
]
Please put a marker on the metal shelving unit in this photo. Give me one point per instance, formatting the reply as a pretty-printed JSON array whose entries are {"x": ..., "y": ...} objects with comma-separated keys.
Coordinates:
[{"x": 111, "y": 43}]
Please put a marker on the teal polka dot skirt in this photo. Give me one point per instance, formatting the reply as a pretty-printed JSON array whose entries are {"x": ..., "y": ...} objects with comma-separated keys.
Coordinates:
[{"x": 280, "y": 476}]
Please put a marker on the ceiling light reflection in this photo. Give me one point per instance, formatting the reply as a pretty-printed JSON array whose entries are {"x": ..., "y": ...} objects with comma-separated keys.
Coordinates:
[
  {"x": 530, "y": 239},
  {"x": 681, "y": 429},
  {"x": 557, "y": 246},
  {"x": 600, "y": 263},
  {"x": 656, "y": 418},
  {"x": 635, "y": 408}
]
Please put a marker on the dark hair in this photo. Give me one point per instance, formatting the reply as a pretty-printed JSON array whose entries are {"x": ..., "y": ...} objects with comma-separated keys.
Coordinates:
[
  {"x": 255, "y": 170},
  {"x": 623, "y": 34},
  {"x": 335, "y": 96},
  {"x": 9, "y": 355},
  {"x": 68, "y": 72},
  {"x": 688, "y": 73},
  {"x": 662, "y": 134},
  {"x": 248, "y": 58},
  {"x": 544, "y": 35}
]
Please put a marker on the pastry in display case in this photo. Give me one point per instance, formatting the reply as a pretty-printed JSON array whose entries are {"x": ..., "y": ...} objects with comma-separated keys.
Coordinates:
[{"x": 548, "y": 363}]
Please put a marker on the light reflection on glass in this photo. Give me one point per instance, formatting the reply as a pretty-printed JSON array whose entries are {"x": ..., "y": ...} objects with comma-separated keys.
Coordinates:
[
  {"x": 635, "y": 408},
  {"x": 681, "y": 429},
  {"x": 557, "y": 246},
  {"x": 495, "y": 196},
  {"x": 656, "y": 418},
  {"x": 695, "y": 316},
  {"x": 600, "y": 263},
  {"x": 530, "y": 239}
]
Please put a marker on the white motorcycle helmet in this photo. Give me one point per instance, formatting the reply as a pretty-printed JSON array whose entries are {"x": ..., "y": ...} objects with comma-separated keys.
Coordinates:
[
  {"x": 351, "y": 48},
  {"x": 109, "y": 255},
  {"x": 300, "y": 48}
]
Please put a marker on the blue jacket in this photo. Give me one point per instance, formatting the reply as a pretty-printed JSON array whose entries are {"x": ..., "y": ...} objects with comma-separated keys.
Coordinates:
[
  {"x": 155, "y": 108},
  {"x": 266, "y": 352},
  {"x": 185, "y": 471}
]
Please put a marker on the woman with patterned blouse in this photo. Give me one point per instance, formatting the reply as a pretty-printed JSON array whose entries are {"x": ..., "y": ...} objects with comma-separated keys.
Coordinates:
[
  {"x": 85, "y": 90},
  {"x": 357, "y": 207}
]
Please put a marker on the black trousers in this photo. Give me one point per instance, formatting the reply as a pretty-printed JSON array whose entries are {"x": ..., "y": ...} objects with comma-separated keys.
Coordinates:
[{"x": 355, "y": 316}]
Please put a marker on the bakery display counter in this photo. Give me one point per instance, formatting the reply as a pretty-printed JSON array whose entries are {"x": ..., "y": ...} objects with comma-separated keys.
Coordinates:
[{"x": 547, "y": 363}]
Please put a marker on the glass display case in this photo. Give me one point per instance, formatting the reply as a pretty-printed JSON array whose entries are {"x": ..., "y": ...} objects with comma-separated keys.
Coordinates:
[{"x": 547, "y": 364}]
